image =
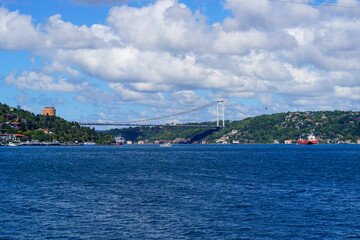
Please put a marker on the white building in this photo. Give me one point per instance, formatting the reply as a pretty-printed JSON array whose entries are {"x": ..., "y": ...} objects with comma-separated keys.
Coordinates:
[
  {"x": 7, "y": 137},
  {"x": 119, "y": 140}
]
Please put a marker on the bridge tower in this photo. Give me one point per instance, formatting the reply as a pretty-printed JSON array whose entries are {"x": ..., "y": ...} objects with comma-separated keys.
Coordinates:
[{"x": 220, "y": 103}]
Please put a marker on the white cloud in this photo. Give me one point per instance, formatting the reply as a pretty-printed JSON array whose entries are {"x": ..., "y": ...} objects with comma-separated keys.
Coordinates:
[
  {"x": 164, "y": 25},
  {"x": 60, "y": 68},
  {"x": 352, "y": 93},
  {"x": 242, "y": 42},
  {"x": 65, "y": 34},
  {"x": 186, "y": 98},
  {"x": 265, "y": 15},
  {"x": 100, "y": 2},
  {"x": 291, "y": 55},
  {"x": 41, "y": 82},
  {"x": 17, "y": 31},
  {"x": 60, "y": 34}
]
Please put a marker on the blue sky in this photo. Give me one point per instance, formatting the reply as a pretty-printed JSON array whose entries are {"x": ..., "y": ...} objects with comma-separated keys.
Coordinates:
[{"x": 112, "y": 60}]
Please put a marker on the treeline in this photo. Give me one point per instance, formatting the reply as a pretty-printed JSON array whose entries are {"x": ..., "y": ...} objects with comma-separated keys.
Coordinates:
[
  {"x": 46, "y": 128},
  {"x": 167, "y": 133},
  {"x": 329, "y": 126}
]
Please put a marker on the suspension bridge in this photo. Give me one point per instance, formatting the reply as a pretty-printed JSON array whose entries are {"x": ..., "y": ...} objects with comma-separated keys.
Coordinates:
[{"x": 220, "y": 118}]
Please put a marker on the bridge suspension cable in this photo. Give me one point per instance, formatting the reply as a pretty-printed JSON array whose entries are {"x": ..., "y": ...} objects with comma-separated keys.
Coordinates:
[
  {"x": 171, "y": 115},
  {"x": 136, "y": 122},
  {"x": 228, "y": 103}
]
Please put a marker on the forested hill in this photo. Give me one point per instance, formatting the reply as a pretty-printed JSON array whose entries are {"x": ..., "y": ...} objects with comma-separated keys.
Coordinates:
[
  {"x": 46, "y": 128},
  {"x": 329, "y": 126}
]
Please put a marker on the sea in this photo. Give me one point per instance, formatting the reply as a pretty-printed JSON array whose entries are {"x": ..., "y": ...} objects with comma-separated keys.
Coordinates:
[{"x": 180, "y": 192}]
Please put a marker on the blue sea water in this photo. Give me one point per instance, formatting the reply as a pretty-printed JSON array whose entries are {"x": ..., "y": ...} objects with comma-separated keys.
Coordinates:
[{"x": 182, "y": 192}]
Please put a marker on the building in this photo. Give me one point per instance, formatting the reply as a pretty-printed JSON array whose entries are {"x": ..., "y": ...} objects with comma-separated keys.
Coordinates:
[
  {"x": 120, "y": 140},
  {"x": 10, "y": 137},
  {"x": 18, "y": 137},
  {"x": 7, "y": 137},
  {"x": 50, "y": 111}
]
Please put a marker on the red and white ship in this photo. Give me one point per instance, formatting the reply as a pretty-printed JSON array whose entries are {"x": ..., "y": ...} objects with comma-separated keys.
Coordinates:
[{"x": 310, "y": 141}]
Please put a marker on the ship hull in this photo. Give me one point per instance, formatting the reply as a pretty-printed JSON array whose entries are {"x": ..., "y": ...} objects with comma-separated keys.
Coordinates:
[{"x": 306, "y": 142}]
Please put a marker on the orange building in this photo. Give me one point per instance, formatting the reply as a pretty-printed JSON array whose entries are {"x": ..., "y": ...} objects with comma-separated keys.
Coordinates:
[{"x": 49, "y": 111}]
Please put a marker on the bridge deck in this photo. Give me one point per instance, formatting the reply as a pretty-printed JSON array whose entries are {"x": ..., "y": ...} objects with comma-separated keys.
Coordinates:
[{"x": 146, "y": 125}]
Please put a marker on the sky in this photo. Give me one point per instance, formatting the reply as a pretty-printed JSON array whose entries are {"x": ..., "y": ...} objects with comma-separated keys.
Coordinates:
[{"x": 120, "y": 60}]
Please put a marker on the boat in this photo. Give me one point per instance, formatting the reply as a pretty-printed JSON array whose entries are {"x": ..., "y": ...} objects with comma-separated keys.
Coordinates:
[
  {"x": 11, "y": 144},
  {"x": 165, "y": 145},
  {"x": 310, "y": 141},
  {"x": 89, "y": 144}
]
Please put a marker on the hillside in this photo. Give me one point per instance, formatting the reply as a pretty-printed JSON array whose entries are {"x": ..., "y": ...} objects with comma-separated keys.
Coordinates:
[
  {"x": 46, "y": 128},
  {"x": 328, "y": 126}
]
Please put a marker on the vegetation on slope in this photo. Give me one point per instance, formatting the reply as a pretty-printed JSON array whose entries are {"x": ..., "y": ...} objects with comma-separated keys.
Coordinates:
[
  {"x": 330, "y": 126},
  {"x": 165, "y": 133},
  {"x": 46, "y": 128}
]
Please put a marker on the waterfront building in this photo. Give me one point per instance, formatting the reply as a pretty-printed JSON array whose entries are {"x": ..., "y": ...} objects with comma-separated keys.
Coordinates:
[
  {"x": 50, "y": 111},
  {"x": 6, "y": 137},
  {"x": 10, "y": 137},
  {"x": 120, "y": 140}
]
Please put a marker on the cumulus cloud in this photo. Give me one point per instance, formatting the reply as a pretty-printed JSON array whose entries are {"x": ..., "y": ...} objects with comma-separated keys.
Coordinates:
[
  {"x": 242, "y": 42},
  {"x": 41, "y": 82},
  {"x": 162, "y": 54},
  {"x": 99, "y": 2},
  {"x": 165, "y": 24},
  {"x": 60, "y": 68},
  {"x": 266, "y": 15},
  {"x": 60, "y": 34},
  {"x": 17, "y": 31}
]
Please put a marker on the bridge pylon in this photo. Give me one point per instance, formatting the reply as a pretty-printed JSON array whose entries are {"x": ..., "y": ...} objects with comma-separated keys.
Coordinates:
[{"x": 221, "y": 113}]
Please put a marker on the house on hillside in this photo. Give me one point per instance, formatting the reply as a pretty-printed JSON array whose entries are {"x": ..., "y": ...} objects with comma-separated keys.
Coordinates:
[
  {"x": 10, "y": 137},
  {"x": 120, "y": 140},
  {"x": 18, "y": 137},
  {"x": 15, "y": 125}
]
